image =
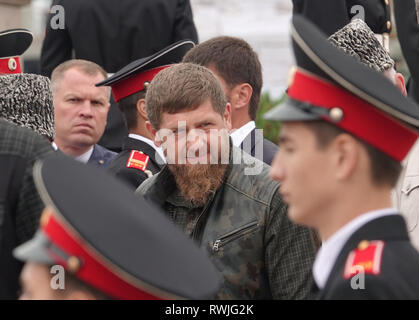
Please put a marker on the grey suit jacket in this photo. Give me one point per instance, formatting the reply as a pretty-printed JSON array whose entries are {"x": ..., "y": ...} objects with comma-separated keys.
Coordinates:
[{"x": 101, "y": 157}]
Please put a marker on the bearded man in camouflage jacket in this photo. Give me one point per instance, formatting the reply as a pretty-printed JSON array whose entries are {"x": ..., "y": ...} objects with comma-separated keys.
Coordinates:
[{"x": 220, "y": 196}]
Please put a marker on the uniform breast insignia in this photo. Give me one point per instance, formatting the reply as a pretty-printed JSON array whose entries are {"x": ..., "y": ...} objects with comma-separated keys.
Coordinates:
[
  {"x": 367, "y": 258},
  {"x": 138, "y": 160}
]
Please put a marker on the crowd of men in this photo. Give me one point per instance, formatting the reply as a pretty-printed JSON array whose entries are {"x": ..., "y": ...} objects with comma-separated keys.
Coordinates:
[{"x": 194, "y": 202}]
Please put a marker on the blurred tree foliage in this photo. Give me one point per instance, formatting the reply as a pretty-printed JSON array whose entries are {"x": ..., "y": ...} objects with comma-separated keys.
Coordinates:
[{"x": 270, "y": 128}]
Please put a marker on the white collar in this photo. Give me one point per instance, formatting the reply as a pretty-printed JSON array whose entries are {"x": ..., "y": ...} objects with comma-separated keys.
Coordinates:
[
  {"x": 330, "y": 249},
  {"x": 150, "y": 143},
  {"x": 84, "y": 158},
  {"x": 240, "y": 134}
]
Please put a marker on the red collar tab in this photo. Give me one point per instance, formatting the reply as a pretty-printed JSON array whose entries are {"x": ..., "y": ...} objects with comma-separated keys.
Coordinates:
[
  {"x": 91, "y": 269},
  {"x": 367, "y": 257},
  {"x": 356, "y": 116},
  {"x": 10, "y": 65},
  {"x": 134, "y": 83}
]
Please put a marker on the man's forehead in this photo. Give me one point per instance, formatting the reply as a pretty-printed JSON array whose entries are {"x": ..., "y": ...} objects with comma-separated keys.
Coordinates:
[
  {"x": 81, "y": 84},
  {"x": 76, "y": 75},
  {"x": 204, "y": 111},
  {"x": 292, "y": 131}
]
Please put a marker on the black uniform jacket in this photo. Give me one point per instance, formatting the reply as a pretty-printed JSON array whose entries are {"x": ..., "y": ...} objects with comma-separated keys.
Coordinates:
[
  {"x": 114, "y": 33},
  {"x": 331, "y": 15},
  {"x": 398, "y": 276},
  {"x": 132, "y": 176}
]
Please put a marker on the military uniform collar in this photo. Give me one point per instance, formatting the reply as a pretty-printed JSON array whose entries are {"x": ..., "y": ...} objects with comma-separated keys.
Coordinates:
[
  {"x": 150, "y": 143},
  {"x": 136, "y": 144},
  {"x": 331, "y": 248},
  {"x": 384, "y": 228}
]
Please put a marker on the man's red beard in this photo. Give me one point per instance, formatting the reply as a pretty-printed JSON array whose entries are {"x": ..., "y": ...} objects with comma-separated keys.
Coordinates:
[{"x": 197, "y": 182}]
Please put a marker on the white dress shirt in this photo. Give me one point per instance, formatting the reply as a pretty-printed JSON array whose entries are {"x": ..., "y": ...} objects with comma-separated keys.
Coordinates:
[
  {"x": 240, "y": 134},
  {"x": 85, "y": 156},
  {"x": 150, "y": 143},
  {"x": 330, "y": 249}
]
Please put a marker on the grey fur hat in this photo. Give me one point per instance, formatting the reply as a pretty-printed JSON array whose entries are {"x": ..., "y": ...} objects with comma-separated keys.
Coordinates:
[
  {"x": 358, "y": 40},
  {"x": 26, "y": 100}
]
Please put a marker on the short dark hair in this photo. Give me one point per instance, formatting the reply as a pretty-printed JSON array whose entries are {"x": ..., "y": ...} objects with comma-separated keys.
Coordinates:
[
  {"x": 384, "y": 169},
  {"x": 128, "y": 107},
  {"x": 183, "y": 86},
  {"x": 235, "y": 61}
]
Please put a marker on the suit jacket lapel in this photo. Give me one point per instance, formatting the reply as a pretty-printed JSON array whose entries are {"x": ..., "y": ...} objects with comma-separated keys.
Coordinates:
[
  {"x": 250, "y": 137},
  {"x": 96, "y": 155}
]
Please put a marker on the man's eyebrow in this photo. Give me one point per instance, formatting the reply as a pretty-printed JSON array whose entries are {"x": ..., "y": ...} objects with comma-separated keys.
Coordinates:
[
  {"x": 175, "y": 126},
  {"x": 70, "y": 94},
  {"x": 284, "y": 139},
  {"x": 208, "y": 120},
  {"x": 102, "y": 100}
]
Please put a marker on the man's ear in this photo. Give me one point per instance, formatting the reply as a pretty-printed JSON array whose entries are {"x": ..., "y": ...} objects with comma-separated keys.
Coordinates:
[
  {"x": 241, "y": 95},
  {"x": 227, "y": 117},
  {"x": 141, "y": 109},
  {"x": 400, "y": 83},
  {"x": 346, "y": 153},
  {"x": 153, "y": 132}
]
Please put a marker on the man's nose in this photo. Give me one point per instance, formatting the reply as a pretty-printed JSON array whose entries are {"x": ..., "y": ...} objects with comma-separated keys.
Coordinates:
[
  {"x": 195, "y": 136},
  {"x": 277, "y": 169},
  {"x": 197, "y": 140},
  {"x": 86, "y": 109}
]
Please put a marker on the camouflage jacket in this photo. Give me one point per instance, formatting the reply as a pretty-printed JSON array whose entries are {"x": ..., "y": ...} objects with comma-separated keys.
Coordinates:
[{"x": 244, "y": 228}]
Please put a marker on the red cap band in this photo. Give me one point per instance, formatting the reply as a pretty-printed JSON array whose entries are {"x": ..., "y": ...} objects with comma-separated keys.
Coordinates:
[
  {"x": 359, "y": 117},
  {"x": 92, "y": 269},
  {"x": 134, "y": 83},
  {"x": 10, "y": 65}
]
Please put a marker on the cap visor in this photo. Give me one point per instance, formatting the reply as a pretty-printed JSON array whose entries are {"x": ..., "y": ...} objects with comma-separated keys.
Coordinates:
[
  {"x": 288, "y": 111},
  {"x": 34, "y": 250}
]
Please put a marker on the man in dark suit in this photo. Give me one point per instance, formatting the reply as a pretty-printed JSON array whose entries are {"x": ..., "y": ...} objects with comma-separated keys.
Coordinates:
[
  {"x": 348, "y": 127},
  {"x": 238, "y": 68},
  {"x": 112, "y": 35},
  {"x": 140, "y": 157},
  {"x": 332, "y": 15},
  {"x": 80, "y": 111}
]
